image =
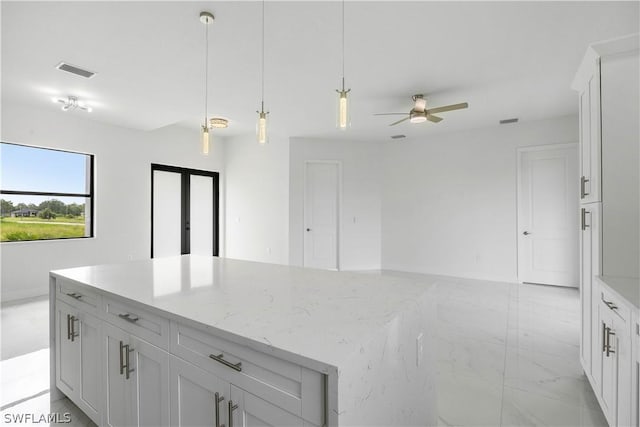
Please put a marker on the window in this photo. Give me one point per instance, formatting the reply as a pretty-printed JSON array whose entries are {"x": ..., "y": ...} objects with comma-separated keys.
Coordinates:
[{"x": 45, "y": 194}]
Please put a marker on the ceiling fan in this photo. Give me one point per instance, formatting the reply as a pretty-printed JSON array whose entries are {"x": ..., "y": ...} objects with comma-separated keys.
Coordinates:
[{"x": 420, "y": 114}]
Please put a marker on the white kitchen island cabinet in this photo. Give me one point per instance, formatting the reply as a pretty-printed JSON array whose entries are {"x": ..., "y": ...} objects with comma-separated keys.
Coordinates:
[{"x": 194, "y": 340}]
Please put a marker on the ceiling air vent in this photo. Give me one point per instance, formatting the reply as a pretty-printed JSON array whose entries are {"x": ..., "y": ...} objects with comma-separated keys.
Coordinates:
[
  {"x": 398, "y": 136},
  {"x": 507, "y": 121},
  {"x": 75, "y": 70}
]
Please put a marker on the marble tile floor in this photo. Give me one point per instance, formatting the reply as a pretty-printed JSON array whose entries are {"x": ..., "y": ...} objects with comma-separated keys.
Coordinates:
[{"x": 507, "y": 356}]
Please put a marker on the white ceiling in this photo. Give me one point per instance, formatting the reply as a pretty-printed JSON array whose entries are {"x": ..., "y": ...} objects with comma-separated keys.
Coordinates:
[{"x": 507, "y": 59}]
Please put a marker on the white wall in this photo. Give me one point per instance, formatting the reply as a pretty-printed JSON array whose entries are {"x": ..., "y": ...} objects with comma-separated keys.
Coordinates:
[
  {"x": 257, "y": 186},
  {"x": 449, "y": 201},
  {"x": 359, "y": 206},
  {"x": 122, "y": 191}
]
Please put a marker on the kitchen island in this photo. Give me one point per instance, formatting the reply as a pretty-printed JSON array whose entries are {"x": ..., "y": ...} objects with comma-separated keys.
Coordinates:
[{"x": 196, "y": 340}]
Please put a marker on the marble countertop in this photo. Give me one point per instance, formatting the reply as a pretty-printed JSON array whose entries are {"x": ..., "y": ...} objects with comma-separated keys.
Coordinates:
[
  {"x": 627, "y": 288},
  {"x": 323, "y": 316}
]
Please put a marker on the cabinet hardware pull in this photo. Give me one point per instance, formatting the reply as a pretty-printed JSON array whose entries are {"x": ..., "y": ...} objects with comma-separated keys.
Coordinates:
[
  {"x": 220, "y": 358},
  {"x": 583, "y": 219},
  {"x": 68, "y": 326},
  {"x": 122, "y": 365},
  {"x": 604, "y": 337},
  {"x": 128, "y": 318},
  {"x": 583, "y": 191},
  {"x": 74, "y": 334},
  {"x": 610, "y": 304},
  {"x": 127, "y": 350},
  {"x": 232, "y": 408},
  {"x": 75, "y": 295},
  {"x": 218, "y": 400},
  {"x": 609, "y": 333}
]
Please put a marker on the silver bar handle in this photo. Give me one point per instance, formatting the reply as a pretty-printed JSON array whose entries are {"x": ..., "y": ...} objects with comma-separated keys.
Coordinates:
[
  {"x": 583, "y": 219},
  {"x": 583, "y": 191},
  {"x": 74, "y": 334},
  {"x": 220, "y": 358},
  {"x": 122, "y": 365},
  {"x": 74, "y": 295},
  {"x": 610, "y": 304},
  {"x": 604, "y": 337},
  {"x": 128, "y": 318},
  {"x": 232, "y": 408},
  {"x": 68, "y": 326},
  {"x": 218, "y": 400},
  {"x": 609, "y": 333},
  {"x": 127, "y": 363}
]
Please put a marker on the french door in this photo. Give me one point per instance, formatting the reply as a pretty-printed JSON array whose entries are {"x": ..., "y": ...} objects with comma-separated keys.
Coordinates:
[{"x": 184, "y": 211}]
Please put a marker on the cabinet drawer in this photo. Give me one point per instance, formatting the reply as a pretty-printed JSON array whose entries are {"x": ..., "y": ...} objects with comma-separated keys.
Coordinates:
[
  {"x": 615, "y": 304},
  {"x": 138, "y": 321},
  {"x": 77, "y": 296},
  {"x": 287, "y": 385}
]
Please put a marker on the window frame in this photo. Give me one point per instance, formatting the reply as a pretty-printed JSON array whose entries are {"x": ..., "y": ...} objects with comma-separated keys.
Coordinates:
[{"x": 89, "y": 196}]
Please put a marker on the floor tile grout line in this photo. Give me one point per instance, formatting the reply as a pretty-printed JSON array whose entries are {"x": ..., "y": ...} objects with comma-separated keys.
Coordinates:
[{"x": 506, "y": 349}]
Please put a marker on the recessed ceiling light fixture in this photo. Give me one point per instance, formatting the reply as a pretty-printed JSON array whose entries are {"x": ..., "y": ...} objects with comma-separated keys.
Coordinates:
[
  {"x": 206, "y": 18},
  {"x": 71, "y": 103}
]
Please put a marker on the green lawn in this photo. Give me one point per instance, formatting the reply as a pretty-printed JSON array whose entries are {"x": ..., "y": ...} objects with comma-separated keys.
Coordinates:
[{"x": 17, "y": 229}]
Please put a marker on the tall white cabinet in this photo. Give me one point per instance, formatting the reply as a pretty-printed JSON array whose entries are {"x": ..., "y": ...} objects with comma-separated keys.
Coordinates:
[{"x": 608, "y": 96}]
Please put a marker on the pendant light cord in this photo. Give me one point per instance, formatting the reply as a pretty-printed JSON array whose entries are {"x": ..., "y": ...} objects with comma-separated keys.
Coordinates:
[
  {"x": 206, "y": 69},
  {"x": 262, "y": 59},
  {"x": 342, "y": 44}
]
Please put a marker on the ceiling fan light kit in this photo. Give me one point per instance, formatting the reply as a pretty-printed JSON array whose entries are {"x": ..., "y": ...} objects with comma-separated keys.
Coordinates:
[
  {"x": 71, "y": 103},
  {"x": 420, "y": 114}
]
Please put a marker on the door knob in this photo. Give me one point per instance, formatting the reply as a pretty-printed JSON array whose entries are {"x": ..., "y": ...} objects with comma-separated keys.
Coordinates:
[
  {"x": 526, "y": 233},
  {"x": 308, "y": 229}
]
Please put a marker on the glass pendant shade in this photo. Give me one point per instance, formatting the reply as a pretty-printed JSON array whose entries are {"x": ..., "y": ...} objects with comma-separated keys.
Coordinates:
[
  {"x": 205, "y": 140},
  {"x": 343, "y": 117},
  {"x": 261, "y": 130}
]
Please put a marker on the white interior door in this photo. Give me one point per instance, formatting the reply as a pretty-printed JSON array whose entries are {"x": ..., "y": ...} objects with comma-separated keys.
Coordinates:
[
  {"x": 321, "y": 215},
  {"x": 548, "y": 215},
  {"x": 201, "y": 210},
  {"x": 167, "y": 211}
]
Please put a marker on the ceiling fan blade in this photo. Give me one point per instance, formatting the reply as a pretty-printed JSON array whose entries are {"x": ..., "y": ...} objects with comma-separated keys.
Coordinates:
[
  {"x": 389, "y": 114},
  {"x": 399, "y": 121},
  {"x": 434, "y": 119},
  {"x": 447, "y": 108}
]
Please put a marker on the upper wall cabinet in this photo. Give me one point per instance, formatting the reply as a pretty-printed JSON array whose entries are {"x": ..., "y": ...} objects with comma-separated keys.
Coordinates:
[
  {"x": 590, "y": 142},
  {"x": 607, "y": 83}
]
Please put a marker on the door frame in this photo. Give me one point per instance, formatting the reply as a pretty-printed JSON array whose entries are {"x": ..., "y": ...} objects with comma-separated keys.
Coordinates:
[
  {"x": 185, "y": 195},
  {"x": 338, "y": 163},
  {"x": 519, "y": 153}
]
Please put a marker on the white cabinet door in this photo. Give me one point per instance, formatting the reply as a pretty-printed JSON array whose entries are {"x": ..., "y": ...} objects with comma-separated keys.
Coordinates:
[
  {"x": 624, "y": 369},
  {"x": 590, "y": 265},
  {"x": 116, "y": 386},
  {"x": 246, "y": 410},
  {"x": 193, "y": 396},
  {"x": 609, "y": 364},
  {"x": 149, "y": 384},
  {"x": 78, "y": 358},
  {"x": 67, "y": 355},
  {"x": 136, "y": 381},
  {"x": 90, "y": 367},
  {"x": 590, "y": 141}
]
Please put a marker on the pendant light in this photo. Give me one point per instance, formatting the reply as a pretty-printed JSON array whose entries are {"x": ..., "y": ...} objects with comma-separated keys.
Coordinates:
[
  {"x": 343, "y": 118},
  {"x": 261, "y": 126},
  {"x": 206, "y": 18}
]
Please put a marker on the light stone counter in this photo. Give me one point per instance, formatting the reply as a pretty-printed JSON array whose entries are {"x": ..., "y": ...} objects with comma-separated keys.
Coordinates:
[{"x": 361, "y": 330}]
